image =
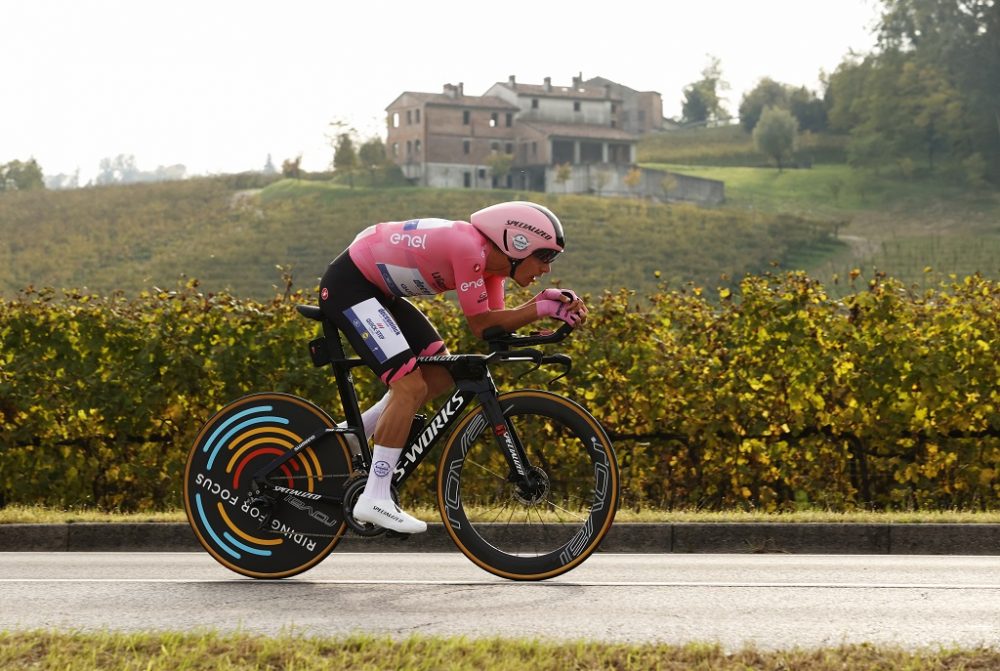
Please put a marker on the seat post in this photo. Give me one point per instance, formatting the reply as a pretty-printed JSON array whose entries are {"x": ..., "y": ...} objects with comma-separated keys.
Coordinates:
[{"x": 345, "y": 381}]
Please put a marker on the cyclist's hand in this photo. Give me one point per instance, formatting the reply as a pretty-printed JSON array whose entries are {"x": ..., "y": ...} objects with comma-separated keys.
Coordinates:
[
  {"x": 573, "y": 313},
  {"x": 548, "y": 294},
  {"x": 556, "y": 295}
]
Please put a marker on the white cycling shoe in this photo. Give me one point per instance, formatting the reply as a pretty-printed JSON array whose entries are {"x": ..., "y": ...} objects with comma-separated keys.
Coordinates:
[{"x": 386, "y": 514}]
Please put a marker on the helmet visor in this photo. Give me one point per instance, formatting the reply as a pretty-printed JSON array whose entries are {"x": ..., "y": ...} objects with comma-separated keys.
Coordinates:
[{"x": 546, "y": 255}]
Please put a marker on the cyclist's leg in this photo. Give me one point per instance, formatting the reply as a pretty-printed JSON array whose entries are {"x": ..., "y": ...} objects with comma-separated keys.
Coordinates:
[
  {"x": 342, "y": 286},
  {"x": 386, "y": 333},
  {"x": 411, "y": 386},
  {"x": 426, "y": 341}
]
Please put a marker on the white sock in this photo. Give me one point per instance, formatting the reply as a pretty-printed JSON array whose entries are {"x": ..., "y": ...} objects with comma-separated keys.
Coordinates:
[
  {"x": 369, "y": 418},
  {"x": 384, "y": 461}
]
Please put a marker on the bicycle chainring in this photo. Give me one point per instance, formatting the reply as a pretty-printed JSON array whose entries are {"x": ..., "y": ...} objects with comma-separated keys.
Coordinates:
[{"x": 353, "y": 488}]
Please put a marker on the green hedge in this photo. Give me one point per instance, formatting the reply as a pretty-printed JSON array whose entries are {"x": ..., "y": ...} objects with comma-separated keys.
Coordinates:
[{"x": 780, "y": 398}]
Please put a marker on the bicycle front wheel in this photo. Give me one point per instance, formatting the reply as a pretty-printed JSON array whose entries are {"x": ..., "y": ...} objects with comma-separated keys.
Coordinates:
[{"x": 538, "y": 534}]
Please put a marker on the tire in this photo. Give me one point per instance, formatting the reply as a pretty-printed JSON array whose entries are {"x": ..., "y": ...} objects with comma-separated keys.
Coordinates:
[
  {"x": 529, "y": 537},
  {"x": 241, "y": 438}
]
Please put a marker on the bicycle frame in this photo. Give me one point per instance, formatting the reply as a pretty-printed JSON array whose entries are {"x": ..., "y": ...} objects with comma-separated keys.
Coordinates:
[{"x": 472, "y": 381}]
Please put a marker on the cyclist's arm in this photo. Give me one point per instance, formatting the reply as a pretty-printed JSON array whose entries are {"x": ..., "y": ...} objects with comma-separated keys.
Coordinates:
[
  {"x": 482, "y": 300},
  {"x": 510, "y": 319}
]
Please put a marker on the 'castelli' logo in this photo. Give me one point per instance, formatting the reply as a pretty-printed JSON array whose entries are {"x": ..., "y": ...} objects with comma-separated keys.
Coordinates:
[
  {"x": 325, "y": 293},
  {"x": 520, "y": 242}
]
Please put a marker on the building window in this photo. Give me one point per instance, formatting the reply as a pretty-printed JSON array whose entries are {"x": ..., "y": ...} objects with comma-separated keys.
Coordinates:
[
  {"x": 614, "y": 108},
  {"x": 509, "y": 148},
  {"x": 395, "y": 120},
  {"x": 614, "y": 124},
  {"x": 534, "y": 149},
  {"x": 642, "y": 116},
  {"x": 534, "y": 103},
  {"x": 418, "y": 116},
  {"x": 466, "y": 147},
  {"x": 482, "y": 173},
  {"x": 466, "y": 117},
  {"x": 409, "y": 147},
  {"x": 494, "y": 147},
  {"x": 409, "y": 117},
  {"x": 467, "y": 179},
  {"x": 395, "y": 149},
  {"x": 576, "y": 105},
  {"x": 494, "y": 119},
  {"x": 416, "y": 146},
  {"x": 510, "y": 119}
]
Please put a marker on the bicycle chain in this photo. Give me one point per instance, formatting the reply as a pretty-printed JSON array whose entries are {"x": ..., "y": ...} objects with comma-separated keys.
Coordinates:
[{"x": 354, "y": 481}]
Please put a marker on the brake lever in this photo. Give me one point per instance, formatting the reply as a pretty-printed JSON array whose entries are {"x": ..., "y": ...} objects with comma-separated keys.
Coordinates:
[{"x": 561, "y": 360}]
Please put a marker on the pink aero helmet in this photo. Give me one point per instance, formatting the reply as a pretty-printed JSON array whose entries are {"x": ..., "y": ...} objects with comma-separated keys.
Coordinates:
[{"x": 521, "y": 229}]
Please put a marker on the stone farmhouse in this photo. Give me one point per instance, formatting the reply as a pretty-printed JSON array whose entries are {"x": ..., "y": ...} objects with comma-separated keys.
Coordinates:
[{"x": 523, "y": 136}]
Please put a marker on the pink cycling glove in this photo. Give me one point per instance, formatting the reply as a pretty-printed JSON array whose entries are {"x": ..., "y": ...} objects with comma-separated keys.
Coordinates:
[
  {"x": 555, "y": 295},
  {"x": 556, "y": 308}
]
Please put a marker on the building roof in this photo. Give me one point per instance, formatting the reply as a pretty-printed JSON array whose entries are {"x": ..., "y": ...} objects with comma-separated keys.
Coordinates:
[
  {"x": 602, "y": 81},
  {"x": 580, "y": 131},
  {"x": 446, "y": 100},
  {"x": 583, "y": 92}
]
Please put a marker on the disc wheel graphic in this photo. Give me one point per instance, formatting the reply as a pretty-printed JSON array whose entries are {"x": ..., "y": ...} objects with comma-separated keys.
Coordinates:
[{"x": 299, "y": 518}]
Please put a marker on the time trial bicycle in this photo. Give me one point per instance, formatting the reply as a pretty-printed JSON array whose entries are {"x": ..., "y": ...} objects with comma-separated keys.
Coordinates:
[{"x": 527, "y": 483}]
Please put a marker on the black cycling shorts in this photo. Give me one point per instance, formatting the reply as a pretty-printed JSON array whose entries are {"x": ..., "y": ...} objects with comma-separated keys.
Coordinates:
[{"x": 388, "y": 332}]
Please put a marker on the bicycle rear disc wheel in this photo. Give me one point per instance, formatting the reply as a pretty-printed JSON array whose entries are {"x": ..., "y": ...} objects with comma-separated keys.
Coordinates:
[
  {"x": 306, "y": 521},
  {"x": 538, "y": 534}
]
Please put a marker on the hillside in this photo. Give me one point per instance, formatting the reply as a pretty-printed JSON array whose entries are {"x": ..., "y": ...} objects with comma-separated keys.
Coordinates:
[
  {"x": 131, "y": 238},
  {"x": 731, "y": 146},
  {"x": 920, "y": 230}
]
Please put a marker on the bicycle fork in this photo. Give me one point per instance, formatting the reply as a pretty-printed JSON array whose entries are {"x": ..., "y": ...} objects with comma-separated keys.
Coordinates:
[{"x": 522, "y": 473}]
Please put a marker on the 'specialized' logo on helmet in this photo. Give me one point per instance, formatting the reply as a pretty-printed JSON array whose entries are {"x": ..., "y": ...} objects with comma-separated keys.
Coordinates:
[{"x": 520, "y": 242}]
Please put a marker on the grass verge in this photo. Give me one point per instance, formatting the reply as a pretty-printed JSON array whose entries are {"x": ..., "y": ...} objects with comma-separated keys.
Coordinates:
[
  {"x": 40, "y": 515},
  {"x": 184, "y": 651}
]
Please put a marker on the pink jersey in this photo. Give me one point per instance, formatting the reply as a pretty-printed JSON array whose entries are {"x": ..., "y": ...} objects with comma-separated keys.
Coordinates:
[{"x": 422, "y": 257}]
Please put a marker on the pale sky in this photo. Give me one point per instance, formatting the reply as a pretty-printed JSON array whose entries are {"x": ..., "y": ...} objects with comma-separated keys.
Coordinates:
[{"x": 217, "y": 85}]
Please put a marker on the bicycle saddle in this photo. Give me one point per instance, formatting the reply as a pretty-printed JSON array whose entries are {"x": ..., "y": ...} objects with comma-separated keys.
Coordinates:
[{"x": 310, "y": 311}]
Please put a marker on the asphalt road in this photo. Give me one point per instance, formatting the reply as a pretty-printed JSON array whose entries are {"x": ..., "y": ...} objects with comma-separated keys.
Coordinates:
[{"x": 771, "y": 601}]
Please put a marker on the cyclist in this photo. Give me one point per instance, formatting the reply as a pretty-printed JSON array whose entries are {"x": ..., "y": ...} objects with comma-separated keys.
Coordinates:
[{"x": 363, "y": 291}]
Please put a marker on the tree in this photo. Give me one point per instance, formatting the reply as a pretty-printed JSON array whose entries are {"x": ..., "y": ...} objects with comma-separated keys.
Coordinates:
[
  {"x": 372, "y": 156},
  {"x": 807, "y": 108},
  {"x": 290, "y": 168},
  {"x": 767, "y": 93},
  {"x": 563, "y": 172},
  {"x": 633, "y": 179},
  {"x": 906, "y": 109},
  {"x": 122, "y": 169},
  {"x": 776, "y": 134},
  {"x": 844, "y": 89},
  {"x": 345, "y": 159},
  {"x": 669, "y": 183},
  {"x": 500, "y": 165},
  {"x": 960, "y": 39},
  {"x": 601, "y": 179},
  {"x": 21, "y": 176},
  {"x": 702, "y": 102}
]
